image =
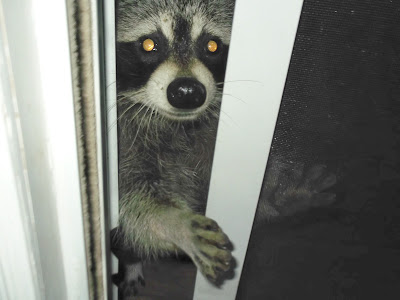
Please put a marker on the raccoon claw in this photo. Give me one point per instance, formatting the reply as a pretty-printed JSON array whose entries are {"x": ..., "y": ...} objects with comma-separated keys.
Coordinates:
[
  {"x": 205, "y": 223},
  {"x": 318, "y": 179},
  {"x": 211, "y": 249},
  {"x": 298, "y": 190}
]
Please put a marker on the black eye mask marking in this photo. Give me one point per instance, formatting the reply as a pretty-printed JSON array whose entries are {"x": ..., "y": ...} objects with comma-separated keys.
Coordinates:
[
  {"x": 135, "y": 65},
  {"x": 215, "y": 61}
]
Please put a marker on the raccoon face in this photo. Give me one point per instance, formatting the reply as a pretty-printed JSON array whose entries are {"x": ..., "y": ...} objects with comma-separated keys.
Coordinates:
[{"x": 171, "y": 56}]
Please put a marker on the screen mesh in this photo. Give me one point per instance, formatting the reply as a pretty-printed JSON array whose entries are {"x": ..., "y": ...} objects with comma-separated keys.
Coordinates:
[{"x": 340, "y": 117}]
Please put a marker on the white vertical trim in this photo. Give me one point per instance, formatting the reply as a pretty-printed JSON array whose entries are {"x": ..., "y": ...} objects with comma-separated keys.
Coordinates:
[
  {"x": 19, "y": 267},
  {"x": 50, "y": 26},
  {"x": 19, "y": 253},
  {"x": 40, "y": 56},
  {"x": 260, "y": 51},
  {"x": 51, "y": 32},
  {"x": 111, "y": 94}
]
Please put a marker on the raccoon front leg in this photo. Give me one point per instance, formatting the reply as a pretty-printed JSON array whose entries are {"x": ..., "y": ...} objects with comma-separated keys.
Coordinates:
[
  {"x": 130, "y": 270},
  {"x": 155, "y": 228}
]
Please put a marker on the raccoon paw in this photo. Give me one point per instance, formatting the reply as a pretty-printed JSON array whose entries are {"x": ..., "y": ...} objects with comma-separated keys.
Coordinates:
[
  {"x": 128, "y": 290},
  {"x": 302, "y": 190},
  {"x": 128, "y": 278},
  {"x": 210, "y": 249}
]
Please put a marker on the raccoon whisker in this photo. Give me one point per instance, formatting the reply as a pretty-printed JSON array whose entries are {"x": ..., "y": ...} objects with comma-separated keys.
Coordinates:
[
  {"x": 150, "y": 111},
  {"x": 228, "y": 117},
  {"x": 215, "y": 106},
  {"x": 132, "y": 119},
  {"x": 134, "y": 116},
  {"x": 111, "y": 107},
  {"x": 139, "y": 76},
  {"x": 156, "y": 123},
  {"x": 116, "y": 103},
  {"x": 138, "y": 112},
  {"x": 215, "y": 114},
  {"x": 149, "y": 122},
  {"x": 177, "y": 126},
  {"x": 153, "y": 80},
  {"x": 111, "y": 83},
  {"x": 169, "y": 124},
  {"x": 135, "y": 75},
  {"x": 122, "y": 98},
  {"x": 138, "y": 129},
  {"x": 119, "y": 118},
  {"x": 126, "y": 110},
  {"x": 129, "y": 94},
  {"x": 224, "y": 94},
  {"x": 235, "y": 81}
]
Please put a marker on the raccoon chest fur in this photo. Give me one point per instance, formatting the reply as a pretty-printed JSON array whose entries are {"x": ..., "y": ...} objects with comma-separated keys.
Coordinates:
[{"x": 173, "y": 161}]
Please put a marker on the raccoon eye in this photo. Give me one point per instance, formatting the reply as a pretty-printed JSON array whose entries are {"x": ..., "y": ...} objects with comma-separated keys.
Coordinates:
[
  {"x": 148, "y": 45},
  {"x": 212, "y": 46}
]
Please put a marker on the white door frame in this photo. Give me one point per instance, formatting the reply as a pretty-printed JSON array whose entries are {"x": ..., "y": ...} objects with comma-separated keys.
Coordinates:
[{"x": 39, "y": 53}]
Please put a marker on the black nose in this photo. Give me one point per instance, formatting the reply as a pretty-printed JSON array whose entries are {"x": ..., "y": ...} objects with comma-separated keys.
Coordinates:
[{"x": 186, "y": 93}]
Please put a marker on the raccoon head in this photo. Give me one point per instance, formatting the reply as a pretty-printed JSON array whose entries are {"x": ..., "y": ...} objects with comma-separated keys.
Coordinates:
[{"x": 171, "y": 55}]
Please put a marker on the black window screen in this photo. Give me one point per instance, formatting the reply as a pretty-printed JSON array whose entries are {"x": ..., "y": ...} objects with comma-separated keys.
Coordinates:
[{"x": 340, "y": 117}]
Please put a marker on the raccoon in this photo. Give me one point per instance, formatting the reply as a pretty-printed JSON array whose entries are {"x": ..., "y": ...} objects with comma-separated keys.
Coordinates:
[{"x": 171, "y": 60}]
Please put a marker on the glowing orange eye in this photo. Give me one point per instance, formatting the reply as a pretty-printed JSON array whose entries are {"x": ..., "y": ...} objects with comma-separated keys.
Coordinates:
[
  {"x": 148, "y": 45},
  {"x": 212, "y": 46}
]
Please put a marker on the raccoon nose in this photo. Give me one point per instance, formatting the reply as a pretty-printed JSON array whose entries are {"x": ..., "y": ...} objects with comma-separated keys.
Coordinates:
[{"x": 186, "y": 93}]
